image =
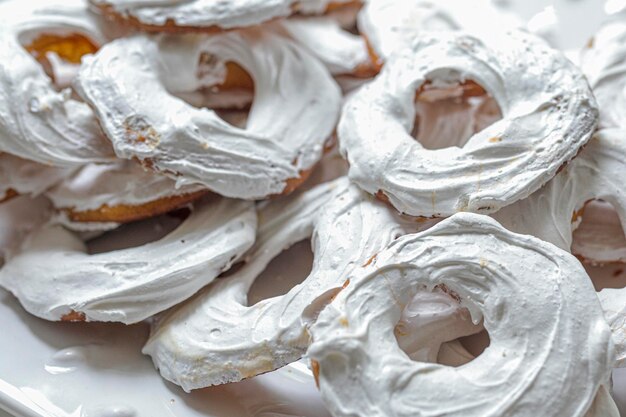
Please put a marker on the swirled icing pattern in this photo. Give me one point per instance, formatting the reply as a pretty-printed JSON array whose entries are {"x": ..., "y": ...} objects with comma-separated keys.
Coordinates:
[
  {"x": 194, "y": 145},
  {"x": 37, "y": 122},
  {"x": 218, "y": 338},
  {"x": 54, "y": 277},
  {"x": 547, "y": 115},
  {"x": 540, "y": 353}
]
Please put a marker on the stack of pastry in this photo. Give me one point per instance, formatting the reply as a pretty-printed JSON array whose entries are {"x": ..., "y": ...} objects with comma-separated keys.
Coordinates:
[{"x": 439, "y": 160}]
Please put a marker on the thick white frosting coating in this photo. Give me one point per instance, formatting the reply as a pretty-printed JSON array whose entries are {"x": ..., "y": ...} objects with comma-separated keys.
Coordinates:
[
  {"x": 542, "y": 360},
  {"x": 341, "y": 51},
  {"x": 390, "y": 25},
  {"x": 207, "y": 13},
  {"x": 37, "y": 122},
  {"x": 194, "y": 145},
  {"x": 548, "y": 113},
  {"x": 218, "y": 338},
  {"x": 594, "y": 175},
  {"x": 121, "y": 182},
  {"x": 27, "y": 177},
  {"x": 604, "y": 64},
  {"x": 52, "y": 276},
  {"x": 612, "y": 300}
]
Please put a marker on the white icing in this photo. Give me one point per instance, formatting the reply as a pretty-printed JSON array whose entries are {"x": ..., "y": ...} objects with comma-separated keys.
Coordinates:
[
  {"x": 548, "y": 113},
  {"x": 85, "y": 230},
  {"x": 341, "y": 51},
  {"x": 391, "y": 25},
  {"x": 122, "y": 182},
  {"x": 593, "y": 175},
  {"x": 604, "y": 64},
  {"x": 52, "y": 275},
  {"x": 27, "y": 177},
  {"x": 540, "y": 348},
  {"x": 37, "y": 122},
  {"x": 195, "y": 145},
  {"x": 218, "y": 338},
  {"x": 612, "y": 300},
  {"x": 206, "y": 13}
]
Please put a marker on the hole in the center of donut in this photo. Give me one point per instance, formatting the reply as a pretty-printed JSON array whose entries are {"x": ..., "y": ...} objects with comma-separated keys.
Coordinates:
[
  {"x": 434, "y": 327},
  {"x": 448, "y": 115},
  {"x": 137, "y": 233},
  {"x": 226, "y": 87},
  {"x": 60, "y": 55},
  {"x": 283, "y": 273},
  {"x": 599, "y": 242}
]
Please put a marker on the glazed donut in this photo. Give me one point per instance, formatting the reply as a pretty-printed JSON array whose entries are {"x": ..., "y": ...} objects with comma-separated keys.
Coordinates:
[
  {"x": 554, "y": 212},
  {"x": 543, "y": 331},
  {"x": 272, "y": 155},
  {"x": 391, "y": 25},
  {"x": 207, "y": 15},
  {"x": 604, "y": 64},
  {"x": 37, "y": 122},
  {"x": 119, "y": 192},
  {"x": 218, "y": 338},
  {"x": 547, "y": 115},
  {"x": 55, "y": 279},
  {"x": 19, "y": 176}
]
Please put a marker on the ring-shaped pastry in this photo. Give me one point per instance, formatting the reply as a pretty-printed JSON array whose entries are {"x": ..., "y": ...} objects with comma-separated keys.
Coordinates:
[
  {"x": 55, "y": 279},
  {"x": 208, "y": 15},
  {"x": 274, "y": 152},
  {"x": 543, "y": 330},
  {"x": 119, "y": 192},
  {"x": 218, "y": 338},
  {"x": 37, "y": 122},
  {"x": 548, "y": 113}
]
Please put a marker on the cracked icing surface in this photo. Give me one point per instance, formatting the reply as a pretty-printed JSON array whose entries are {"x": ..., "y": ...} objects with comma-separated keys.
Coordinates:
[
  {"x": 542, "y": 360},
  {"x": 37, "y": 122},
  {"x": 547, "y": 115},
  {"x": 48, "y": 275},
  {"x": 195, "y": 146},
  {"x": 217, "y": 337}
]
